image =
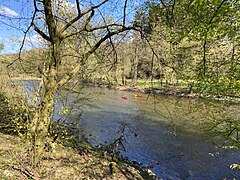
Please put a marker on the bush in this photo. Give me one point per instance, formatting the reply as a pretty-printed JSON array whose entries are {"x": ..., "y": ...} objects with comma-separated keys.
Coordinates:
[{"x": 14, "y": 115}]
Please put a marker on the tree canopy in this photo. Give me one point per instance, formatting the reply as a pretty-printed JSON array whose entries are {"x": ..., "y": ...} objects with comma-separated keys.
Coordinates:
[{"x": 199, "y": 39}]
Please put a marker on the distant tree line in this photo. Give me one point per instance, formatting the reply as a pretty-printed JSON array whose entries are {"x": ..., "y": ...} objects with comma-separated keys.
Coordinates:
[{"x": 193, "y": 43}]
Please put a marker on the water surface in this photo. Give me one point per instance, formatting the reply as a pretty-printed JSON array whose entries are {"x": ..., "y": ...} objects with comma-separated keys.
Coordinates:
[{"x": 162, "y": 133}]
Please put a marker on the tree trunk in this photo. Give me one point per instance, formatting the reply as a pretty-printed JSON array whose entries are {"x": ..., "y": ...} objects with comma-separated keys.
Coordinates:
[
  {"x": 39, "y": 127},
  {"x": 135, "y": 74},
  {"x": 135, "y": 69},
  {"x": 115, "y": 69},
  {"x": 123, "y": 77}
]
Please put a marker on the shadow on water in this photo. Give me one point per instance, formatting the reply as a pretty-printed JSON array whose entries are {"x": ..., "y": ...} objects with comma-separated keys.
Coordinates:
[
  {"x": 166, "y": 138},
  {"x": 183, "y": 155},
  {"x": 163, "y": 133}
]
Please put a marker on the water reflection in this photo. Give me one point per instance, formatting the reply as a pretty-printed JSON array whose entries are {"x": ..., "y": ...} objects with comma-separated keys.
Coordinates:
[
  {"x": 166, "y": 134},
  {"x": 170, "y": 136}
]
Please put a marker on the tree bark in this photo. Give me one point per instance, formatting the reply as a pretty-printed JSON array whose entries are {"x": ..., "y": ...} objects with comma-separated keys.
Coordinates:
[{"x": 39, "y": 126}]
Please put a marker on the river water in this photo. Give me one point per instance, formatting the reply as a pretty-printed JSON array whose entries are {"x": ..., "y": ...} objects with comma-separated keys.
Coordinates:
[{"x": 162, "y": 133}]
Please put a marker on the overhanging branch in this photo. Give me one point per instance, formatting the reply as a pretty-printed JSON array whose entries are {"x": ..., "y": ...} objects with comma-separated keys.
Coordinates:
[
  {"x": 85, "y": 29},
  {"x": 81, "y": 14},
  {"x": 44, "y": 36},
  {"x": 89, "y": 53},
  {"x": 24, "y": 37}
]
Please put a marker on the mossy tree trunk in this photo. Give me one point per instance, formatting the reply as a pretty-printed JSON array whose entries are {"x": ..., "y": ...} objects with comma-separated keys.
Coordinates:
[
  {"x": 39, "y": 127},
  {"x": 57, "y": 31},
  {"x": 40, "y": 124},
  {"x": 41, "y": 121},
  {"x": 135, "y": 68}
]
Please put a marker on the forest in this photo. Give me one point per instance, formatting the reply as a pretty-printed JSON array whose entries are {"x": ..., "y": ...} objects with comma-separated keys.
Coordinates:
[{"x": 182, "y": 48}]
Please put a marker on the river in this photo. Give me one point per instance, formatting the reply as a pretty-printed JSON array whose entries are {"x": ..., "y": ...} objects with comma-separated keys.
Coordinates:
[{"x": 163, "y": 133}]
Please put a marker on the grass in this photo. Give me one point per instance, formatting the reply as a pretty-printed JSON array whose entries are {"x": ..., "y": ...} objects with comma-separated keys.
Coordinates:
[{"x": 157, "y": 84}]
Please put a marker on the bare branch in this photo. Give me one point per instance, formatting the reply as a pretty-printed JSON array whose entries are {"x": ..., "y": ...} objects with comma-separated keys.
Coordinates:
[
  {"x": 206, "y": 36},
  {"x": 78, "y": 7},
  {"x": 74, "y": 19},
  {"x": 164, "y": 5},
  {"x": 110, "y": 39},
  {"x": 93, "y": 7},
  {"x": 89, "y": 53},
  {"x": 44, "y": 36},
  {"x": 83, "y": 28},
  {"x": 216, "y": 12},
  {"x": 81, "y": 14},
  {"x": 124, "y": 12},
  {"x": 153, "y": 51},
  {"x": 24, "y": 37}
]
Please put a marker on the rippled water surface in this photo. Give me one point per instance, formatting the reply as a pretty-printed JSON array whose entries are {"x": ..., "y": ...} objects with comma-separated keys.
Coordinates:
[{"x": 162, "y": 133}]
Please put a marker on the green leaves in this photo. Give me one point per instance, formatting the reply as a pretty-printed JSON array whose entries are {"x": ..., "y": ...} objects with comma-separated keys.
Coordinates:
[
  {"x": 65, "y": 110},
  {"x": 235, "y": 166}
]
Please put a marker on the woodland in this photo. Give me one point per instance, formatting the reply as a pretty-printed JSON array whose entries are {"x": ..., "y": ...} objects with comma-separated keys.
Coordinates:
[{"x": 191, "y": 46}]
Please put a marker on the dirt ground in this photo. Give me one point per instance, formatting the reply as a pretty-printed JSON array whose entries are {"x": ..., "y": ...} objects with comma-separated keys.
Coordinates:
[{"x": 61, "y": 163}]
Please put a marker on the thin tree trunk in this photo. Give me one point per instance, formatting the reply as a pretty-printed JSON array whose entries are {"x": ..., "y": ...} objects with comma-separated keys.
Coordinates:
[
  {"x": 204, "y": 56},
  {"x": 115, "y": 74},
  {"x": 123, "y": 77},
  {"x": 135, "y": 68}
]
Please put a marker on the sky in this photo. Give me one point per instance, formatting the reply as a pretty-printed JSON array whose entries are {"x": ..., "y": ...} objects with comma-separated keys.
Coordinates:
[{"x": 15, "y": 16}]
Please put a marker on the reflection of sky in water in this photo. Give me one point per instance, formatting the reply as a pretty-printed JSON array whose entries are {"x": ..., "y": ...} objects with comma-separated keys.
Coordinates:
[
  {"x": 181, "y": 156},
  {"x": 29, "y": 87},
  {"x": 149, "y": 136}
]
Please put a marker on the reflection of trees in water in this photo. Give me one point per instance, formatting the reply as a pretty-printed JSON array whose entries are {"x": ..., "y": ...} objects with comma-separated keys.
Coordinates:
[
  {"x": 68, "y": 110},
  {"x": 218, "y": 120},
  {"x": 222, "y": 122}
]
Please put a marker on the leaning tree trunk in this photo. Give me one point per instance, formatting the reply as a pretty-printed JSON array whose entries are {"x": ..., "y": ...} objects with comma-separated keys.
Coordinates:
[
  {"x": 41, "y": 120},
  {"x": 39, "y": 127}
]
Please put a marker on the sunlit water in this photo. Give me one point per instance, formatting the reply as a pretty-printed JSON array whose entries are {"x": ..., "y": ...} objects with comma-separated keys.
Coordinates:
[{"x": 161, "y": 133}]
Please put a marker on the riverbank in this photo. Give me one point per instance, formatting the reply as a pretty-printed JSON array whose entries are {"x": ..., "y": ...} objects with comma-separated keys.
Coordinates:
[
  {"x": 69, "y": 157},
  {"x": 170, "y": 91},
  {"x": 177, "y": 91},
  {"x": 164, "y": 91},
  {"x": 61, "y": 163}
]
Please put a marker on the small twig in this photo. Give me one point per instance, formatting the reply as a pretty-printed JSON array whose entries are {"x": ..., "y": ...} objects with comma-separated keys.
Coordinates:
[
  {"x": 25, "y": 172},
  {"x": 24, "y": 37}
]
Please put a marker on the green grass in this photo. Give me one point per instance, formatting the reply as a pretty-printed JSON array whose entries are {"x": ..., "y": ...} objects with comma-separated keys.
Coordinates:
[{"x": 143, "y": 83}]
